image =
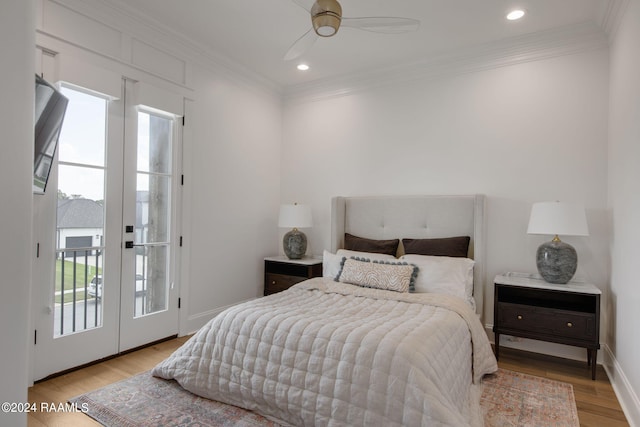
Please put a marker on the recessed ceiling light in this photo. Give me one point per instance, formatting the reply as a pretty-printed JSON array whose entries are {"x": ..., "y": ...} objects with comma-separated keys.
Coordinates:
[
  {"x": 515, "y": 14},
  {"x": 302, "y": 67}
]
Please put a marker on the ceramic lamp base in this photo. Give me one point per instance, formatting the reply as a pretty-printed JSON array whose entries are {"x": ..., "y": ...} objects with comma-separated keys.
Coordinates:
[
  {"x": 294, "y": 244},
  {"x": 557, "y": 261}
]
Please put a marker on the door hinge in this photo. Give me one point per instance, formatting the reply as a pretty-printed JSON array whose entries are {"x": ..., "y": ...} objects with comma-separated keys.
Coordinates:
[
  {"x": 35, "y": 336},
  {"x": 179, "y": 302},
  {"x": 180, "y": 241}
]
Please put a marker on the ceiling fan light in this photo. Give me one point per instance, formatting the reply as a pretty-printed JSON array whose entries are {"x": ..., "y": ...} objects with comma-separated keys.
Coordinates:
[
  {"x": 326, "y": 25},
  {"x": 326, "y": 31},
  {"x": 326, "y": 16}
]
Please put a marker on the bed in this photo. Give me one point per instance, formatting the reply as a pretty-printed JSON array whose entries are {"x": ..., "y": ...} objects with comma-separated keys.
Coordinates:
[{"x": 357, "y": 347}]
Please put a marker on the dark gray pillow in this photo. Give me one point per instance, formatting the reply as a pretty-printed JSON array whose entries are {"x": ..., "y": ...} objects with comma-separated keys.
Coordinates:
[
  {"x": 362, "y": 244},
  {"x": 447, "y": 246}
]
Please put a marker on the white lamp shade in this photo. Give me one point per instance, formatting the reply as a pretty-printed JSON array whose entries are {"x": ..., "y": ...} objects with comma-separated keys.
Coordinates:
[
  {"x": 295, "y": 216},
  {"x": 556, "y": 218}
]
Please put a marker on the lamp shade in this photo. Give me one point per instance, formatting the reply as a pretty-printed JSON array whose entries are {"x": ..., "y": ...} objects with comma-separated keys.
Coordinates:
[
  {"x": 295, "y": 216},
  {"x": 556, "y": 218}
]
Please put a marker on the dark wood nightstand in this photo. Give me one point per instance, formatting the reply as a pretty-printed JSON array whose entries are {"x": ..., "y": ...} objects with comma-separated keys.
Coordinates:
[
  {"x": 529, "y": 307},
  {"x": 281, "y": 273}
]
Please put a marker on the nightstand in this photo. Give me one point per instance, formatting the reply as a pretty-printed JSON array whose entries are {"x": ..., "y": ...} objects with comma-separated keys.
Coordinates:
[
  {"x": 281, "y": 273},
  {"x": 528, "y": 307}
]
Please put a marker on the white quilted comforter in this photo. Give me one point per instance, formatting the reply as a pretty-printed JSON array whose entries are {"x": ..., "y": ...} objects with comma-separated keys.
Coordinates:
[{"x": 331, "y": 354}]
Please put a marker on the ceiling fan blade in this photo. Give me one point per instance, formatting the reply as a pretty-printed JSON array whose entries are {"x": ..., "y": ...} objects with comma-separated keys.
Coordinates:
[
  {"x": 305, "y": 4},
  {"x": 387, "y": 25},
  {"x": 301, "y": 45}
]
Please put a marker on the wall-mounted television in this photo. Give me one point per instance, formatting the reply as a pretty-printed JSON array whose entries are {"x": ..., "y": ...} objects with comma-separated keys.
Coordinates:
[{"x": 50, "y": 108}]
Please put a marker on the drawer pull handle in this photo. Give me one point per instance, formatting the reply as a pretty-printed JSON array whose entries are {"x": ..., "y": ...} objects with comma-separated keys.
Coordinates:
[
  {"x": 519, "y": 317},
  {"x": 273, "y": 283},
  {"x": 569, "y": 325}
]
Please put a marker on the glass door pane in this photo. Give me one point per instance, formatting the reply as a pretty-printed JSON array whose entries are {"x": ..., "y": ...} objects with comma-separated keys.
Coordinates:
[
  {"x": 153, "y": 212},
  {"x": 78, "y": 287}
]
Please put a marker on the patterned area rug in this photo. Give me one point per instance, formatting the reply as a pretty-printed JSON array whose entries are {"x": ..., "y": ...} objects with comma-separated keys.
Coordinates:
[
  {"x": 508, "y": 399},
  {"x": 514, "y": 399}
]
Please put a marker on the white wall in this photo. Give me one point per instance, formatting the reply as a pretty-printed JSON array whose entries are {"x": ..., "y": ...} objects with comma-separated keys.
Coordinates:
[
  {"x": 624, "y": 204},
  {"x": 523, "y": 133},
  {"x": 17, "y": 24},
  {"x": 235, "y": 176}
]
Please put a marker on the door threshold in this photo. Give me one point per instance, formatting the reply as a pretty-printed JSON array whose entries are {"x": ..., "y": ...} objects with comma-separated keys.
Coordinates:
[{"x": 113, "y": 356}]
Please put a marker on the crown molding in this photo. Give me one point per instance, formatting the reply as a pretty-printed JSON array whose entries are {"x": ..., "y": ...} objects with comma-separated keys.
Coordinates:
[
  {"x": 515, "y": 50},
  {"x": 610, "y": 16},
  {"x": 542, "y": 45},
  {"x": 118, "y": 15}
]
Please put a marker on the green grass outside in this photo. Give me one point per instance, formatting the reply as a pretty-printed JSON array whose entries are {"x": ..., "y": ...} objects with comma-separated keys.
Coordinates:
[{"x": 82, "y": 272}]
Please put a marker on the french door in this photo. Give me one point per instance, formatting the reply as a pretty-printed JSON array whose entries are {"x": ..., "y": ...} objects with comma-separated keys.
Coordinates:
[
  {"x": 114, "y": 261},
  {"x": 149, "y": 303}
]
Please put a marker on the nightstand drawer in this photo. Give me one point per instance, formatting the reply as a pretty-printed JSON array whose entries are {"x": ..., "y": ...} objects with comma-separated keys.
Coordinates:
[
  {"x": 280, "y": 273},
  {"x": 280, "y": 282},
  {"x": 542, "y": 320}
]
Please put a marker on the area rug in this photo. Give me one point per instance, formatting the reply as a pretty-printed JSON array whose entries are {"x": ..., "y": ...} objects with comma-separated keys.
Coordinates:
[
  {"x": 514, "y": 399},
  {"x": 508, "y": 399}
]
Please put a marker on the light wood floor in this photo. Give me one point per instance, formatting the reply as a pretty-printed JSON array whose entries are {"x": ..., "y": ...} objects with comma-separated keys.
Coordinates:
[
  {"x": 62, "y": 388},
  {"x": 596, "y": 402}
]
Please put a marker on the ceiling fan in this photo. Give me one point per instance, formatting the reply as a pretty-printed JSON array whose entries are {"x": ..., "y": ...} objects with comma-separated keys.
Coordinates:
[{"x": 326, "y": 19}]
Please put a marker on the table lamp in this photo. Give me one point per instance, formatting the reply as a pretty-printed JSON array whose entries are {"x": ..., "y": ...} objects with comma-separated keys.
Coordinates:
[
  {"x": 294, "y": 216},
  {"x": 557, "y": 261}
]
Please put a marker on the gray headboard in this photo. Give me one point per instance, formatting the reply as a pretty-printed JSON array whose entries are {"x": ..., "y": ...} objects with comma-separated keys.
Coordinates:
[{"x": 398, "y": 217}]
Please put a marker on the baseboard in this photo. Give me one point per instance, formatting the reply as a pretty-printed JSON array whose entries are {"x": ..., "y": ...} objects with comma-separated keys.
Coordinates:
[{"x": 627, "y": 397}]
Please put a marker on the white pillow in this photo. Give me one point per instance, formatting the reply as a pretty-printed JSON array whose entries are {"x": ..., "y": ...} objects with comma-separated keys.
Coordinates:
[
  {"x": 444, "y": 275},
  {"x": 331, "y": 263}
]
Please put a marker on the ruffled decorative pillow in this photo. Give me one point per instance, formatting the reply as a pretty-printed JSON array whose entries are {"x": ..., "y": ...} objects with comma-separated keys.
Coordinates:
[
  {"x": 332, "y": 263},
  {"x": 390, "y": 276}
]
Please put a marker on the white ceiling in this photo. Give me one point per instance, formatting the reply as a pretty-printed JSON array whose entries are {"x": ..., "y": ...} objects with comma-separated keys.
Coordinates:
[{"x": 257, "y": 33}]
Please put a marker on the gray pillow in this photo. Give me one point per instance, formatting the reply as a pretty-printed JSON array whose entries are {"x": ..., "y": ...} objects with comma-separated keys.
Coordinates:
[
  {"x": 362, "y": 244},
  {"x": 447, "y": 246}
]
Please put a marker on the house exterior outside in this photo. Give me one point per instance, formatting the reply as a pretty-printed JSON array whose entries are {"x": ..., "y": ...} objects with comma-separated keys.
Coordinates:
[{"x": 79, "y": 225}]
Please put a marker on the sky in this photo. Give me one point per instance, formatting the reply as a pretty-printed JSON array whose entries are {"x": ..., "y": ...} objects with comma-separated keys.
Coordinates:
[{"x": 82, "y": 142}]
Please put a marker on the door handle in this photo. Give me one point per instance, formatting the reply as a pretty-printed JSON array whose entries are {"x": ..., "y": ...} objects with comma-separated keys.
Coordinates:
[{"x": 130, "y": 245}]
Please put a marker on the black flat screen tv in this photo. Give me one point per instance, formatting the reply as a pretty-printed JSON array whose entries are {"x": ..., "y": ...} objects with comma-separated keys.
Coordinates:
[{"x": 50, "y": 109}]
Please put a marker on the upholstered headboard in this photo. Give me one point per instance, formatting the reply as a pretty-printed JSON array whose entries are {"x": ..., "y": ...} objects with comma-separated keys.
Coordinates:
[{"x": 398, "y": 217}]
